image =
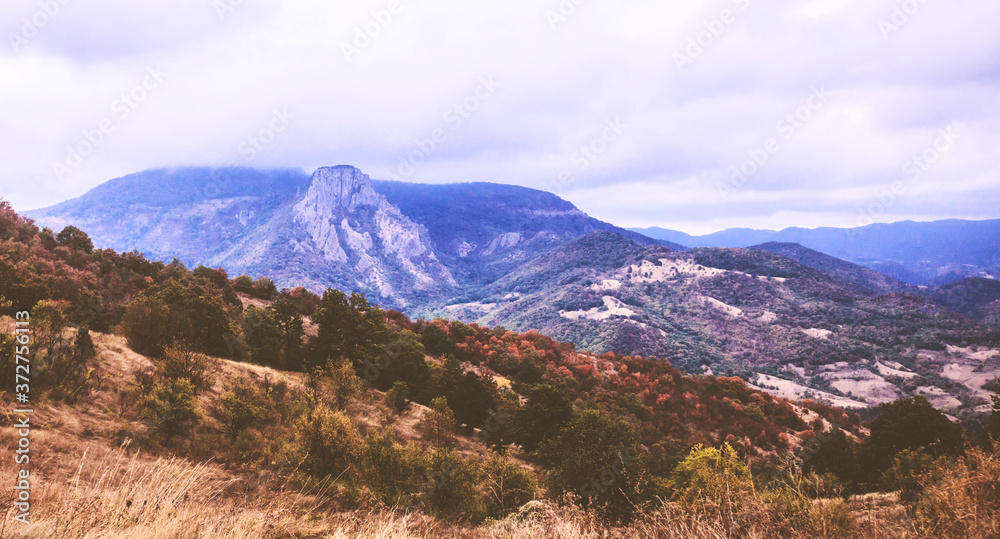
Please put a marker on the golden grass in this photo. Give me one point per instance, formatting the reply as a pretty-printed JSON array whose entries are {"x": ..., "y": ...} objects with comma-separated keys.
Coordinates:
[{"x": 83, "y": 489}]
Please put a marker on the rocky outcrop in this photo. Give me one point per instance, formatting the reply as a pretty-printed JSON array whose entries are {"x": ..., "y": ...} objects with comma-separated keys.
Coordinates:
[{"x": 352, "y": 225}]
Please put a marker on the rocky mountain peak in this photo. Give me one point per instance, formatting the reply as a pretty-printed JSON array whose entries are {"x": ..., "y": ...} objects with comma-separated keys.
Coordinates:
[{"x": 342, "y": 188}]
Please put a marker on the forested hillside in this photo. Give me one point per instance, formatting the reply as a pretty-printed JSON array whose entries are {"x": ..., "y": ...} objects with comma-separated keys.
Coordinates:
[{"x": 364, "y": 410}]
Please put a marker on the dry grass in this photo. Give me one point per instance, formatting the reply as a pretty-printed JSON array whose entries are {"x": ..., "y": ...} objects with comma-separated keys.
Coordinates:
[
  {"x": 125, "y": 494},
  {"x": 84, "y": 489},
  {"x": 122, "y": 494}
]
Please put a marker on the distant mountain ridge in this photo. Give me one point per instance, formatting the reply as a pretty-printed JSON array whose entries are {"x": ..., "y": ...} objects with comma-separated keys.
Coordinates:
[
  {"x": 399, "y": 243},
  {"x": 813, "y": 326},
  {"x": 917, "y": 253}
]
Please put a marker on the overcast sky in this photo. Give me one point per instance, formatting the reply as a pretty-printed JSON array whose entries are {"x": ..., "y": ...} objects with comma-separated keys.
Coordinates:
[{"x": 838, "y": 112}]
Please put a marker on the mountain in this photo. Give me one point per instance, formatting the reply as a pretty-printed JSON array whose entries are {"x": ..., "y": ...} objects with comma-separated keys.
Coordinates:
[
  {"x": 967, "y": 295},
  {"x": 484, "y": 230},
  {"x": 328, "y": 230},
  {"x": 839, "y": 270},
  {"x": 402, "y": 244},
  {"x": 840, "y": 332},
  {"x": 917, "y": 253}
]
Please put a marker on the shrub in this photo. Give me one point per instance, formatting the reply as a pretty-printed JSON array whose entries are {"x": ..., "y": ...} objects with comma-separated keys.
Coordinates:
[
  {"x": 452, "y": 489},
  {"x": 393, "y": 472},
  {"x": 508, "y": 486},
  {"x": 907, "y": 424},
  {"x": 438, "y": 424},
  {"x": 714, "y": 475},
  {"x": 262, "y": 336},
  {"x": 593, "y": 456},
  {"x": 171, "y": 407},
  {"x": 330, "y": 441},
  {"x": 243, "y": 283},
  {"x": 909, "y": 469},
  {"x": 180, "y": 363},
  {"x": 548, "y": 409},
  {"x": 264, "y": 288},
  {"x": 62, "y": 365},
  {"x": 75, "y": 239},
  {"x": 397, "y": 396},
  {"x": 241, "y": 407}
]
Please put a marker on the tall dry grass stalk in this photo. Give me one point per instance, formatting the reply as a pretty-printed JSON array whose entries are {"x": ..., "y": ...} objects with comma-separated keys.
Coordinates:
[
  {"x": 964, "y": 501},
  {"x": 119, "y": 494}
]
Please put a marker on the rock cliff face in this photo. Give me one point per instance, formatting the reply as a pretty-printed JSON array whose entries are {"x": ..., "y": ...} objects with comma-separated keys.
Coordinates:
[{"x": 351, "y": 225}]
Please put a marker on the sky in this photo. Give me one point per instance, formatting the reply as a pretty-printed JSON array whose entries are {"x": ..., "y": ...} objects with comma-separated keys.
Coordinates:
[{"x": 696, "y": 116}]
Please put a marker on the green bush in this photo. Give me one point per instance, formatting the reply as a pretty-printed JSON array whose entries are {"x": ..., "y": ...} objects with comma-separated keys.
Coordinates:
[
  {"x": 180, "y": 363},
  {"x": 171, "y": 407},
  {"x": 145, "y": 326},
  {"x": 393, "y": 472},
  {"x": 508, "y": 486},
  {"x": 438, "y": 424},
  {"x": 398, "y": 395},
  {"x": 709, "y": 474},
  {"x": 243, "y": 283},
  {"x": 241, "y": 407},
  {"x": 330, "y": 442},
  {"x": 452, "y": 488}
]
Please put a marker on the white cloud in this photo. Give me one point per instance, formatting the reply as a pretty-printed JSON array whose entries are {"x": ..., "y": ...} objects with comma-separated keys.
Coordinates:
[{"x": 559, "y": 86}]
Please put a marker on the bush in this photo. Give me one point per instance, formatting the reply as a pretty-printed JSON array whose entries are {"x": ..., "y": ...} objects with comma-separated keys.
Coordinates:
[
  {"x": 508, "y": 486},
  {"x": 75, "y": 239},
  {"x": 438, "y": 424},
  {"x": 907, "y": 424},
  {"x": 264, "y": 288},
  {"x": 63, "y": 365},
  {"x": 180, "y": 363},
  {"x": 243, "y": 283},
  {"x": 171, "y": 407},
  {"x": 262, "y": 336},
  {"x": 909, "y": 469},
  {"x": 709, "y": 474},
  {"x": 393, "y": 472},
  {"x": 330, "y": 442},
  {"x": 594, "y": 457},
  {"x": 548, "y": 409},
  {"x": 241, "y": 407},
  {"x": 145, "y": 326},
  {"x": 397, "y": 396},
  {"x": 452, "y": 490}
]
